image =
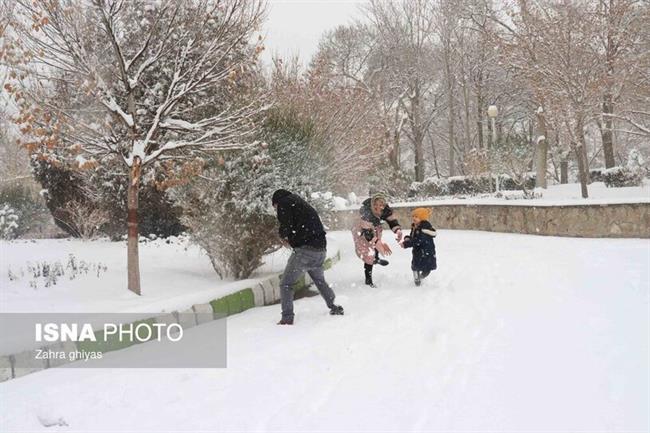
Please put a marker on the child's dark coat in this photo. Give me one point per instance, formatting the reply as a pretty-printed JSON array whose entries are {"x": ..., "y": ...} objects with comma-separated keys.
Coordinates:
[{"x": 424, "y": 250}]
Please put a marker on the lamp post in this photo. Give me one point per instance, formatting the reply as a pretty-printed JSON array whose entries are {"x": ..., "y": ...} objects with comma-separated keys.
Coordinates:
[{"x": 492, "y": 113}]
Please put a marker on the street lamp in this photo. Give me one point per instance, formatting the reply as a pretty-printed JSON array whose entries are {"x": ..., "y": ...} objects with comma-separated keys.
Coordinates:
[{"x": 492, "y": 113}]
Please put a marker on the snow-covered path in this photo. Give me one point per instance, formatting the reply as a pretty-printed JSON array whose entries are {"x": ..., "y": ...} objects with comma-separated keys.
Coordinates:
[{"x": 512, "y": 333}]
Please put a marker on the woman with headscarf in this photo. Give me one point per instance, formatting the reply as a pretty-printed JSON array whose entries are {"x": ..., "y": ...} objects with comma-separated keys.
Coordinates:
[{"x": 367, "y": 233}]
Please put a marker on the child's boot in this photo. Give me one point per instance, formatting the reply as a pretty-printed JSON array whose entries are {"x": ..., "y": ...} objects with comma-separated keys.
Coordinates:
[
  {"x": 417, "y": 278},
  {"x": 368, "y": 272},
  {"x": 379, "y": 261}
]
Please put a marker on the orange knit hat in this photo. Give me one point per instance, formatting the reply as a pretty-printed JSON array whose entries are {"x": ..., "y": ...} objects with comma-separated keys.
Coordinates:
[{"x": 422, "y": 213}]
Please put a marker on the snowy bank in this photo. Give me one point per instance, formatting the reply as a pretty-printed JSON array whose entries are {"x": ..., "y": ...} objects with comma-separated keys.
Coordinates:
[
  {"x": 511, "y": 333},
  {"x": 175, "y": 275}
]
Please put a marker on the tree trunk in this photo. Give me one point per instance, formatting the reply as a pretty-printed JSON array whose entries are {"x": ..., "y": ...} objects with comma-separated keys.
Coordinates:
[
  {"x": 418, "y": 136},
  {"x": 450, "y": 107},
  {"x": 466, "y": 103},
  {"x": 607, "y": 132},
  {"x": 608, "y": 100},
  {"x": 490, "y": 135},
  {"x": 392, "y": 151},
  {"x": 435, "y": 156},
  {"x": 452, "y": 156},
  {"x": 133, "y": 260},
  {"x": 396, "y": 136},
  {"x": 419, "y": 157},
  {"x": 585, "y": 156},
  {"x": 479, "y": 113},
  {"x": 564, "y": 171},
  {"x": 541, "y": 151},
  {"x": 579, "y": 149},
  {"x": 479, "y": 126}
]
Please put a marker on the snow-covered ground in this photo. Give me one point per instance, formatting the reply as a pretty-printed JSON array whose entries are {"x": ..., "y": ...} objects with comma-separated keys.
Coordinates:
[
  {"x": 512, "y": 333},
  {"x": 554, "y": 195},
  {"x": 174, "y": 275}
]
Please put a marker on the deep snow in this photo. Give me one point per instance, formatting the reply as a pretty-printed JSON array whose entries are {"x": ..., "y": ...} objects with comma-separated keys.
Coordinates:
[
  {"x": 174, "y": 275},
  {"x": 512, "y": 333}
]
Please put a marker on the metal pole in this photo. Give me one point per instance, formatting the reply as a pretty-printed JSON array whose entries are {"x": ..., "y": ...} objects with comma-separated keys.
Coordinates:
[{"x": 494, "y": 133}]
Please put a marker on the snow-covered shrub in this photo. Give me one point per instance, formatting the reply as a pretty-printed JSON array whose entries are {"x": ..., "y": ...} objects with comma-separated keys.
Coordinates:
[
  {"x": 636, "y": 164},
  {"x": 429, "y": 187},
  {"x": 469, "y": 185},
  {"x": 60, "y": 187},
  {"x": 326, "y": 203},
  {"x": 512, "y": 157},
  {"x": 617, "y": 177},
  {"x": 631, "y": 174},
  {"x": 229, "y": 214},
  {"x": 461, "y": 185},
  {"x": 8, "y": 222},
  {"x": 228, "y": 209},
  {"x": 85, "y": 221},
  {"x": 27, "y": 205},
  {"x": 596, "y": 174},
  {"x": 524, "y": 182}
]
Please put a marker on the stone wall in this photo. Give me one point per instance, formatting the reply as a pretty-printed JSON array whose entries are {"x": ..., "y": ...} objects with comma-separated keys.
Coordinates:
[{"x": 611, "y": 220}]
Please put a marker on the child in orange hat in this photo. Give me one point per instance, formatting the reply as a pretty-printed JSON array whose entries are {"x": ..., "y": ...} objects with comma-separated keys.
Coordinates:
[{"x": 421, "y": 240}]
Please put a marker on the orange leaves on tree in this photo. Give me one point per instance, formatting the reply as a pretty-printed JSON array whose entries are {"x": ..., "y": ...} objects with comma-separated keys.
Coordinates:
[{"x": 175, "y": 174}]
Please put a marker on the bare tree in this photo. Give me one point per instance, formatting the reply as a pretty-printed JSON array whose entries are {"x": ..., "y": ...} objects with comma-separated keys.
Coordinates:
[
  {"x": 549, "y": 44},
  {"x": 144, "y": 81},
  {"x": 352, "y": 58},
  {"x": 629, "y": 81},
  {"x": 619, "y": 32},
  {"x": 406, "y": 35},
  {"x": 343, "y": 120}
]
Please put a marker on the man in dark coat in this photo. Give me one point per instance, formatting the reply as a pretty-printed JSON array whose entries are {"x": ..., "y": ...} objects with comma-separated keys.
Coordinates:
[{"x": 302, "y": 230}]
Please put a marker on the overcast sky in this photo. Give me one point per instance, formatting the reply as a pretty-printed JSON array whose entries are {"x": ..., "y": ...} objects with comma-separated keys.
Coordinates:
[{"x": 295, "y": 26}]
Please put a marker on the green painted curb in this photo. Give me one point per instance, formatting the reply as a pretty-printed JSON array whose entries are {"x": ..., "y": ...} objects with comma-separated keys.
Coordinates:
[
  {"x": 234, "y": 303},
  {"x": 111, "y": 344},
  {"x": 247, "y": 299},
  {"x": 220, "y": 306},
  {"x": 149, "y": 322}
]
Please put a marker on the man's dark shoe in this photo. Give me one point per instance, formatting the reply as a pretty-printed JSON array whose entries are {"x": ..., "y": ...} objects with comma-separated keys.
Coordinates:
[
  {"x": 381, "y": 262},
  {"x": 336, "y": 310},
  {"x": 285, "y": 322}
]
